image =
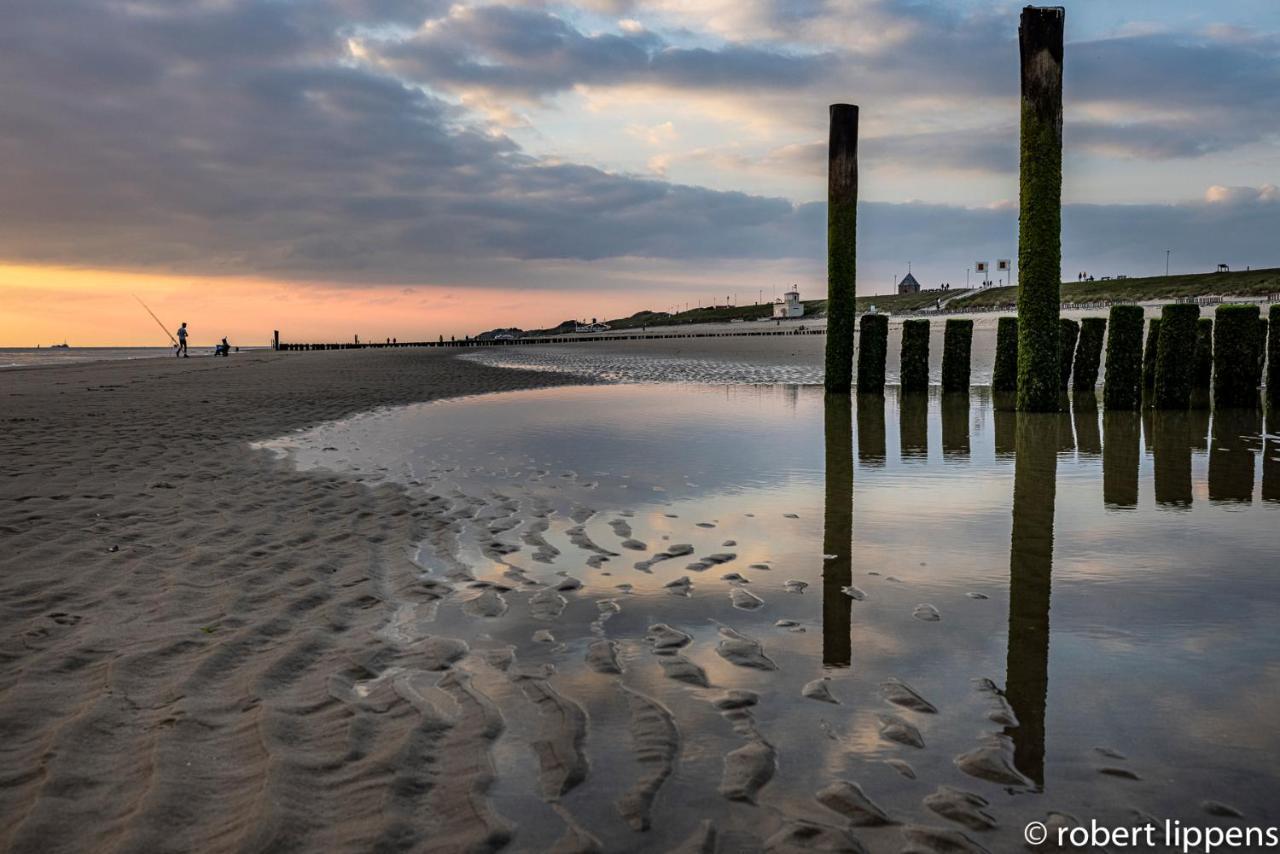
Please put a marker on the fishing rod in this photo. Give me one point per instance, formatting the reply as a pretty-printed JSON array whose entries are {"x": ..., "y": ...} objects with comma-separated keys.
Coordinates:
[{"x": 157, "y": 320}]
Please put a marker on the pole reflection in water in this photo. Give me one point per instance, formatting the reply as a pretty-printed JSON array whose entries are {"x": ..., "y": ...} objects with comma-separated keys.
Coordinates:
[
  {"x": 837, "y": 532},
  {"x": 1066, "y": 429},
  {"x": 955, "y": 425},
  {"x": 1084, "y": 412},
  {"x": 1030, "y": 568},
  {"x": 1171, "y": 447},
  {"x": 913, "y": 425},
  {"x": 1271, "y": 457},
  {"x": 1121, "y": 455},
  {"x": 1005, "y": 423},
  {"x": 1231, "y": 463},
  {"x": 1198, "y": 425},
  {"x": 871, "y": 446}
]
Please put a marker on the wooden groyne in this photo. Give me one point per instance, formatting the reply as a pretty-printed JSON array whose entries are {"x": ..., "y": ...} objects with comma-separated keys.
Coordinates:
[{"x": 536, "y": 340}]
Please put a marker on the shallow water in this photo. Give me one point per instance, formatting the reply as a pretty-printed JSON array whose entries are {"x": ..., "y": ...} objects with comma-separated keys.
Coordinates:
[{"x": 1051, "y": 614}]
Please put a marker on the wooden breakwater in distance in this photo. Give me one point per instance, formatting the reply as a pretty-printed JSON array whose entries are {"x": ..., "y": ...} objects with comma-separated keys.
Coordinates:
[{"x": 549, "y": 339}]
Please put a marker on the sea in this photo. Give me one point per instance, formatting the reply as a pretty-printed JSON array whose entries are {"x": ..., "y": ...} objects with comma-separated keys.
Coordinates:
[{"x": 31, "y": 357}]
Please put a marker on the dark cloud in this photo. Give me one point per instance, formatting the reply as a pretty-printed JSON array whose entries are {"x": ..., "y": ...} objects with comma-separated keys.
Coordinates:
[
  {"x": 530, "y": 52},
  {"x": 241, "y": 137}
]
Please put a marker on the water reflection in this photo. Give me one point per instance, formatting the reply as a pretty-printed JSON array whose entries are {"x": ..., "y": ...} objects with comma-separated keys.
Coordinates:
[
  {"x": 1171, "y": 446},
  {"x": 837, "y": 531},
  {"x": 1231, "y": 464},
  {"x": 913, "y": 425},
  {"x": 955, "y": 425},
  {"x": 871, "y": 444},
  {"x": 1030, "y": 570},
  {"x": 1005, "y": 419},
  {"x": 1271, "y": 457},
  {"x": 1084, "y": 409},
  {"x": 1121, "y": 456}
]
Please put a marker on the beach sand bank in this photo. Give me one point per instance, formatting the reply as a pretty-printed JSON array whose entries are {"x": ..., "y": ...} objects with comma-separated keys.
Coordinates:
[{"x": 173, "y": 605}]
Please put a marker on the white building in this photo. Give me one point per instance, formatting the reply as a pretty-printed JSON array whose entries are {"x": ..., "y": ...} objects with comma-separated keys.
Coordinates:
[{"x": 789, "y": 306}]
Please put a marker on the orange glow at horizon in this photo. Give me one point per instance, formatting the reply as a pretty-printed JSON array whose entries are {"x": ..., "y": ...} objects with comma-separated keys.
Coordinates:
[{"x": 88, "y": 308}]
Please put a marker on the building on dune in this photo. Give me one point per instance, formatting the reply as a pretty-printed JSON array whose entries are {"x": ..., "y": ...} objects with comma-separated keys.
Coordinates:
[
  {"x": 908, "y": 285},
  {"x": 789, "y": 306}
]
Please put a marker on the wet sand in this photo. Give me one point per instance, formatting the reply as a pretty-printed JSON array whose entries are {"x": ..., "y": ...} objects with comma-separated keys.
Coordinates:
[{"x": 173, "y": 605}]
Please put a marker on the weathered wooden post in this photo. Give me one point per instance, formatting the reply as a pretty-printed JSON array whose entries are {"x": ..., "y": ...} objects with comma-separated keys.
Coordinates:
[
  {"x": 1149, "y": 354},
  {"x": 275, "y": 339},
  {"x": 1260, "y": 349},
  {"x": 1235, "y": 337},
  {"x": 1093, "y": 330},
  {"x": 915, "y": 356},
  {"x": 1040, "y": 207},
  {"x": 1068, "y": 332},
  {"x": 1202, "y": 378},
  {"x": 957, "y": 347},
  {"x": 842, "y": 249},
  {"x": 873, "y": 348},
  {"x": 1175, "y": 357},
  {"x": 837, "y": 531},
  {"x": 1273, "y": 357},
  {"x": 1123, "y": 388},
  {"x": 1004, "y": 377}
]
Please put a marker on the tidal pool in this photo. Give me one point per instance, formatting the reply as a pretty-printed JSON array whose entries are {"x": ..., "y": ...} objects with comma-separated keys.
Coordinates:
[{"x": 695, "y": 611}]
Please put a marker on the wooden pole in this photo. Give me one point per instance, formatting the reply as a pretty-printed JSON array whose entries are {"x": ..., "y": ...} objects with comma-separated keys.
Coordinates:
[
  {"x": 842, "y": 229},
  {"x": 1040, "y": 207}
]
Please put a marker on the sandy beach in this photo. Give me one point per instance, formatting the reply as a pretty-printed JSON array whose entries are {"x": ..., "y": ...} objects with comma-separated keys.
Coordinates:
[{"x": 173, "y": 605}]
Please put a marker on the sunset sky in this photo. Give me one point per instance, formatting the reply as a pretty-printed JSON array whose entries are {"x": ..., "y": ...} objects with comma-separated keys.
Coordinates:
[{"x": 412, "y": 168}]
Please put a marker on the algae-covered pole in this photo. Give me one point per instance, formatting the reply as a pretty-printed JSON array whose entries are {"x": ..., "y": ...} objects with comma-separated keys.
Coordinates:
[
  {"x": 957, "y": 348},
  {"x": 1123, "y": 389},
  {"x": 1273, "y": 358},
  {"x": 915, "y": 355},
  {"x": 1040, "y": 207},
  {"x": 1235, "y": 337},
  {"x": 1068, "y": 332},
  {"x": 1149, "y": 355},
  {"x": 873, "y": 348},
  {"x": 1176, "y": 356},
  {"x": 1202, "y": 377},
  {"x": 842, "y": 228},
  {"x": 1005, "y": 375},
  {"x": 1089, "y": 353}
]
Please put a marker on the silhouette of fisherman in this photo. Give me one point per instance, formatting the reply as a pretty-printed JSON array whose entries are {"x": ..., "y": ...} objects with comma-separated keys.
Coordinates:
[{"x": 181, "y": 349}]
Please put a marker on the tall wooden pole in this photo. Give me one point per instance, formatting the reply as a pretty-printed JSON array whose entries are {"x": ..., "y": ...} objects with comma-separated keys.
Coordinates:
[
  {"x": 842, "y": 229},
  {"x": 1040, "y": 208}
]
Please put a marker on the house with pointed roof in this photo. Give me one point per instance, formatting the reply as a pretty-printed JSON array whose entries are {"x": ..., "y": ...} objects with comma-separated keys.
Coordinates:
[{"x": 908, "y": 285}]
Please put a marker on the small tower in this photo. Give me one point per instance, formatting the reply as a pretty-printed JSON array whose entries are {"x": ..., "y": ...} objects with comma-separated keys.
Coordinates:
[{"x": 789, "y": 306}]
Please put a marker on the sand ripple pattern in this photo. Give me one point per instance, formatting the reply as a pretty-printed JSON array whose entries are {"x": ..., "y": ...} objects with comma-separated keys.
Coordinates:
[{"x": 639, "y": 368}]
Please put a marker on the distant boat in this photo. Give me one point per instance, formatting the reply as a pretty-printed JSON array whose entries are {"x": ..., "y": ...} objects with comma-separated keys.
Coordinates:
[{"x": 63, "y": 346}]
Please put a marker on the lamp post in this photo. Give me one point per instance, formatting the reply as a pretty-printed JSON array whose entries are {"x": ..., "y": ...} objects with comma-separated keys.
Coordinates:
[{"x": 1166, "y": 261}]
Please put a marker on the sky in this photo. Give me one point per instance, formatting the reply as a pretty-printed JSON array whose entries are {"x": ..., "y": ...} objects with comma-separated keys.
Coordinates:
[{"x": 415, "y": 168}]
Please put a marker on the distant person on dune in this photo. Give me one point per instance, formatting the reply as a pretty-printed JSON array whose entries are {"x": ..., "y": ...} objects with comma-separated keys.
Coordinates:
[{"x": 181, "y": 349}]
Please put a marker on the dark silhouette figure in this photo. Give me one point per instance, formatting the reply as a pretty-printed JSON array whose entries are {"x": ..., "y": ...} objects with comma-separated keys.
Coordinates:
[{"x": 181, "y": 349}]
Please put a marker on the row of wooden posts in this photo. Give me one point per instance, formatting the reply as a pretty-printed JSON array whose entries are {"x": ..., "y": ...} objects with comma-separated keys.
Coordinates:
[
  {"x": 1185, "y": 356},
  {"x": 1040, "y": 39}
]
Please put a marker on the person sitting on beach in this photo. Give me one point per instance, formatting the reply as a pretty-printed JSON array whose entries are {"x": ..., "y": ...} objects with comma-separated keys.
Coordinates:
[
  {"x": 181, "y": 349},
  {"x": 223, "y": 349}
]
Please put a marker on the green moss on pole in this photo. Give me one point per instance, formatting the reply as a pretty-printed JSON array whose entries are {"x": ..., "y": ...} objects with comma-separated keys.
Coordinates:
[
  {"x": 1176, "y": 356},
  {"x": 957, "y": 346},
  {"x": 1149, "y": 355},
  {"x": 1123, "y": 389},
  {"x": 842, "y": 230},
  {"x": 1040, "y": 208},
  {"x": 1093, "y": 330},
  {"x": 1202, "y": 376},
  {"x": 1235, "y": 358},
  {"x": 1273, "y": 358},
  {"x": 915, "y": 355},
  {"x": 1005, "y": 375},
  {"x": 873, "y": 347},
  {"x": 1068, "y": 332}
]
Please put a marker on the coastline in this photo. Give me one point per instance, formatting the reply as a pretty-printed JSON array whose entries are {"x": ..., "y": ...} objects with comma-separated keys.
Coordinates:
[{"x": 174, "y": 604}]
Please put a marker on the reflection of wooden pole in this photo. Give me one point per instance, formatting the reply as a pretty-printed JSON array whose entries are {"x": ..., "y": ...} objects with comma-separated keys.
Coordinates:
[
  {"x": 1171, "y": 448},
  {"x": 913, "y": 426},
  {"x": 1231, "y": 463},
  {"x": 1030, "y": 571},
  {"x": 837, "y": 533},
  {"x": 955, "y": 425},
  {"x": 842, "y": 230},
  {"x": 1040, "y": 208},
  {"x": 871, "y": 450},
  {"x": 1121, "y": 455}
]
